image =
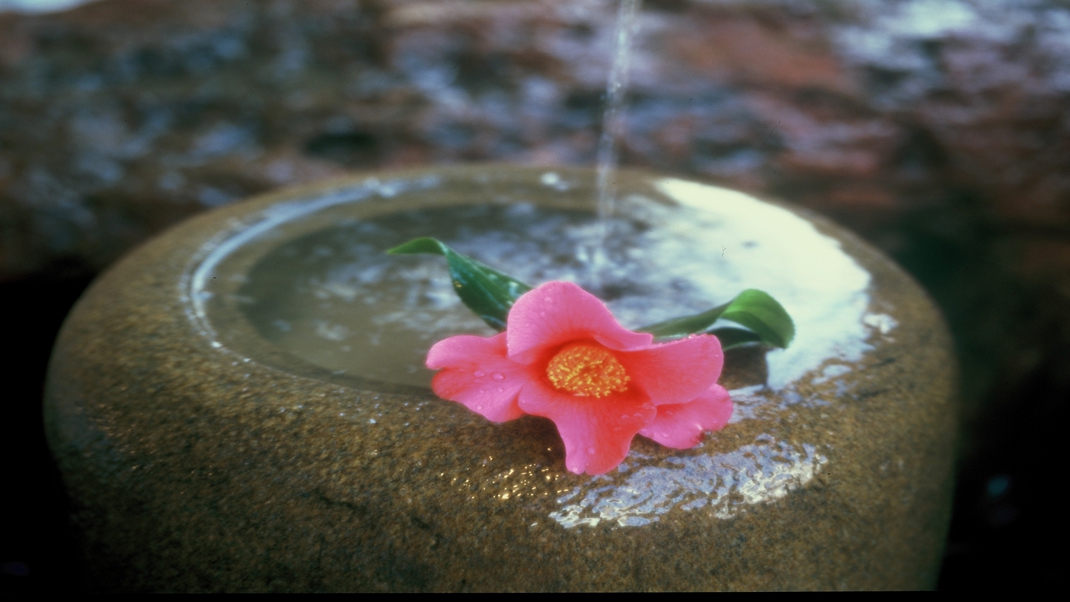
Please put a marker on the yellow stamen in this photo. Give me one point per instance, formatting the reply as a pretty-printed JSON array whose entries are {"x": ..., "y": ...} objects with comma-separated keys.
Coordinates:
[{"x": 588, "y": 370}]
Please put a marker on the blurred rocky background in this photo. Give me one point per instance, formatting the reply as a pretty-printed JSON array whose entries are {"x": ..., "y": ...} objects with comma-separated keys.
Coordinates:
[{"x": 937, "y": 129}]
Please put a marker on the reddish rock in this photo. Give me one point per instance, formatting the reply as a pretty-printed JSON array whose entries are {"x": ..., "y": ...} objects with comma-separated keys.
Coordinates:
[
  {"x": 935, "y": 129},
  {"x": 123, "y": 116}
]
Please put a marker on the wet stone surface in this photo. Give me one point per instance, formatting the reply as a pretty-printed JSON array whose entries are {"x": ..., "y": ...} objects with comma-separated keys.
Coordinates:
[
  {"x": 934, "y": 129},
  {"x": 207, "y": 450}
]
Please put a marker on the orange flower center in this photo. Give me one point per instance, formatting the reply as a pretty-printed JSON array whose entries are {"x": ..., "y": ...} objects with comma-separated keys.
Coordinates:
[{"x": 588, "y": 370}]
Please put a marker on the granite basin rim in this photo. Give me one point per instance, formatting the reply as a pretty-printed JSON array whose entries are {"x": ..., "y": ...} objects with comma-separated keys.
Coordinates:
[{"x": 260, "y": 476}]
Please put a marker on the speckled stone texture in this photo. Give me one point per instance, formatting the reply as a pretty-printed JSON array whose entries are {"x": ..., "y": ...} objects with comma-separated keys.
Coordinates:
[{"x": 194, "y": 468}]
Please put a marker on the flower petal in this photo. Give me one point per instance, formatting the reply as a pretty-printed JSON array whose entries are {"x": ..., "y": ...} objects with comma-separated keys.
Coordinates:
[
  {"x": 558, "y": 312},
  {"x": 597, "y": 432},
  {"x": 681, "y": 425},
  {"x": 477, "y": 373},
  {"x": 677, "y": 371}
]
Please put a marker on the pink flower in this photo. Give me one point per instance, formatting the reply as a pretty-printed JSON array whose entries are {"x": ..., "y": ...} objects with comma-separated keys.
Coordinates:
[{"x": 565, "y": 357}]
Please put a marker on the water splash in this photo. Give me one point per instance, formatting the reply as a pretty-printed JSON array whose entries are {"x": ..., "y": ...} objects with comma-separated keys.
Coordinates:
[{"x": 612, "y": 130}]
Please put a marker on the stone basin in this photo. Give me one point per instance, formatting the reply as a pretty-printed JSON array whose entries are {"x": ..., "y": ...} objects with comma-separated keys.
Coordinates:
[{"x": 240, "y": 404}]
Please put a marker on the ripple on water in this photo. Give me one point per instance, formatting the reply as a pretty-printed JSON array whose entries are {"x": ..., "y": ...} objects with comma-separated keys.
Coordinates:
[{"x": 349, "y": 306}]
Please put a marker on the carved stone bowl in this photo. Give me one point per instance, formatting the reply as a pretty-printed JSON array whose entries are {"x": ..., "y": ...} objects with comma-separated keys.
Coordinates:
[{"x": 241, "y": 404}]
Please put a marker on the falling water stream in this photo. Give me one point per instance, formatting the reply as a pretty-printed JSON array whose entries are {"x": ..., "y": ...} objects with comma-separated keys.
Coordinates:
[
  {"x": 308, "y": 287},
  {"x": 612, "y": 130}
]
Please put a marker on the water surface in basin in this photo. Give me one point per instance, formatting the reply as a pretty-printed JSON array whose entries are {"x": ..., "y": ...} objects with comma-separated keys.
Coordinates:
[
  {"x": 311, "y": 280},
  {"x": 322, "y": 288}
]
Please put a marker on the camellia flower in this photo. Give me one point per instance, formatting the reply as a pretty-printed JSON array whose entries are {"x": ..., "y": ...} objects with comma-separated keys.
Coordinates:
[{"x": 565, "y": 357}]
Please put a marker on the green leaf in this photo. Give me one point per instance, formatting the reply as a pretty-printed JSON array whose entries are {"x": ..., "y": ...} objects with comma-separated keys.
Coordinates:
[
  {"x": 685, "y": 325},
  {"x": 491, "y": 294},
  {"x": 734, "y": 337},
  {"x": 486, "y": 291},
  {"x": 762, "y": 313},
  {"x": 752, "y": 308}
]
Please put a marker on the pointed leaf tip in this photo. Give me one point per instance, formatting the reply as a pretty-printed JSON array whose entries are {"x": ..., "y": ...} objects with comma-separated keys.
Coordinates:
[
  {"x": 486, "y": 291},
  {"x": 760, "y": 312},
  {"x": 418, "y": 246}
]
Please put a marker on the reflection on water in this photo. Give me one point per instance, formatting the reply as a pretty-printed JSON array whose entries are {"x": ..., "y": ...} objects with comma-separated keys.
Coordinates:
[
  {"x": 40, "y": 6},
  {"x": 721, "y": 484},
  {"x": 823, "y": 289}
]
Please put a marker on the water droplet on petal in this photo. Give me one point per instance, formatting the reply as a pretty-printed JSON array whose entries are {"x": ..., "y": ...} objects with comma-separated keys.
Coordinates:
[
  {"x": 501, "y": 389},
  {"x": 479, "y": 373},
  {"x": 498, "y": 376},
  {"x": 590, "y": 450},
  {"x": 542, "y": 313}
]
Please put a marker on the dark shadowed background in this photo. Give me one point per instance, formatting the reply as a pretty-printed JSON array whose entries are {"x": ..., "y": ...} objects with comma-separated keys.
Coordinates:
[{"x": 939, "y": 130}]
